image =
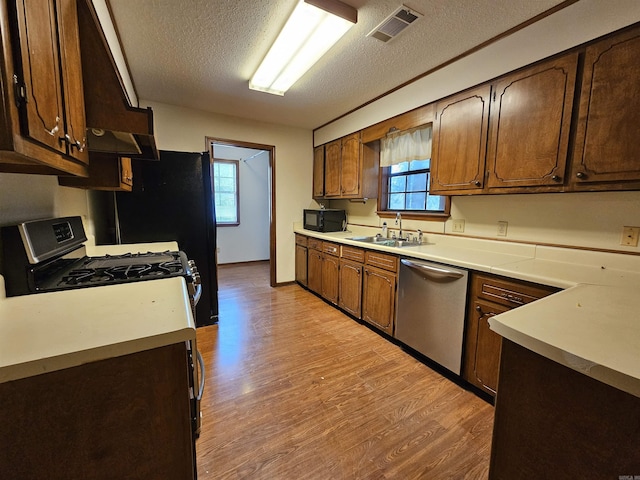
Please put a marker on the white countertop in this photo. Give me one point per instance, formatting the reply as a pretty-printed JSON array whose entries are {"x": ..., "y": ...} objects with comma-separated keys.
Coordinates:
[
  {"x": 51, "y": 331},
  {"x": 593, "y": 326}
]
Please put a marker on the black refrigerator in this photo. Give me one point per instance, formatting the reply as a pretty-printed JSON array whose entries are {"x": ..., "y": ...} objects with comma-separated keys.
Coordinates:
[{"x": 172, "y": 200}]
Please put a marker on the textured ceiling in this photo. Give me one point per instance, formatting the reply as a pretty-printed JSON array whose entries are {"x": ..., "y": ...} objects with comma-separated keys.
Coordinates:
[{"x": 201, "y": 53}]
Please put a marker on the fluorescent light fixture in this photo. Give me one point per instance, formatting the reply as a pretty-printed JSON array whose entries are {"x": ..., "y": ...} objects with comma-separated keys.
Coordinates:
[{"x": 312, "y": 29}]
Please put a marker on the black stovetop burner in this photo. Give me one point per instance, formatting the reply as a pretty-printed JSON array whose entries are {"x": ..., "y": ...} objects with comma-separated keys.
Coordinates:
[{"x": 109, "y": 269}]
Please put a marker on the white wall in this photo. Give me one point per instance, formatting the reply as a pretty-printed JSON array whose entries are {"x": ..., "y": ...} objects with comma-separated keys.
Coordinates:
[
  {"x": 248, "y": 241},
  {"x": 31, "y": 197},
  {"x": 183, "y": 129}
]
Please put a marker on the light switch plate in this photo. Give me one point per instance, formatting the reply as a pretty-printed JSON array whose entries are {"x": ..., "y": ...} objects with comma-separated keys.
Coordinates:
[
  {"x": 502, "y": 229},
  {"x": 630, "y": 236},
  {"x": 458, "y": 226}
]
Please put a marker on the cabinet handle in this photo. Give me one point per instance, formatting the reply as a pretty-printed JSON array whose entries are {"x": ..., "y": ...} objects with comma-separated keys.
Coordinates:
[
  {"x": 556, "y": 178},
  {"x": 55, "y": 129},
  {"x": 581, "y": 175}
]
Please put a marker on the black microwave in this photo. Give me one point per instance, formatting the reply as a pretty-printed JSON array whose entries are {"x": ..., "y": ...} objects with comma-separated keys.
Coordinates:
[{"x": 325, "y": 220}]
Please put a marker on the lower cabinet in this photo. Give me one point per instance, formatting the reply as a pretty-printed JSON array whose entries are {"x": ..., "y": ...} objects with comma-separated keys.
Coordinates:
[
  {"x": 301, "y": 259},
  {"x": 491, "y": 295},
  {"x": 330, "y": 272},
  {"x": 379, "y": 290},
  {"x": 314, "y": 265},
  {"x": 123, "y": 417},
  {"x": 351, "y": 267}
]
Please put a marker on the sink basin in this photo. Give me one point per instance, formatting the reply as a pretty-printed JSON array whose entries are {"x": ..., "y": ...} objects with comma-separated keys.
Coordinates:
[{"x": 387, "y": 242}]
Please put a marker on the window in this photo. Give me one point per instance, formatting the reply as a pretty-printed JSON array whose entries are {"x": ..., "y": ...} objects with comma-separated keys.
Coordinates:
[
  {"x": 405, "y": 163},
  {"x": 227, "y": 196},
  {"x": 408, "y": 188}
]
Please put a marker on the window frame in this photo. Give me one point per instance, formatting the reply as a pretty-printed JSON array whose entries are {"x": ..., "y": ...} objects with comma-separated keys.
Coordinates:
[
  {"x": 236, "y": 163},
  {"x": 383, "y": 200}
]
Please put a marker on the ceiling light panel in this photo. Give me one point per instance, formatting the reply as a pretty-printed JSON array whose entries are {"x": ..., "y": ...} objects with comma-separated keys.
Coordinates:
[{"x": 308, "y": 34}]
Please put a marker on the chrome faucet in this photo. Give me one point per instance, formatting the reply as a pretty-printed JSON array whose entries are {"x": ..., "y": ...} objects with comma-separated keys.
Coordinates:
[{"x": 399, "y": 223}]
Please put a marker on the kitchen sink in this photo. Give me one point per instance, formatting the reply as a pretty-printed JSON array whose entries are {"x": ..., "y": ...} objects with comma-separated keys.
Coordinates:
[{"x": 387, "y": 242}]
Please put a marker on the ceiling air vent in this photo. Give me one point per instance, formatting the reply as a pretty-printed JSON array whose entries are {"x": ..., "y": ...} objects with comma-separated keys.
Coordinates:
[{"x": 394, "y": 24}]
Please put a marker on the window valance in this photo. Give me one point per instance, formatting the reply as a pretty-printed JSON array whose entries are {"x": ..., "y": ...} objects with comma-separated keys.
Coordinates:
[{"x": 405, "y": 146}]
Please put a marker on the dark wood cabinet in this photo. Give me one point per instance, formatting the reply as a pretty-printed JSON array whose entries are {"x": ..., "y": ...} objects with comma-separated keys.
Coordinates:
[
  {"x": 301, "y": 259},
  {"x": 552, "y": 421},
  {"x": 314, "y": 265},
  {"x": 379, "y": 290},
  {"x": 351, "y": 168},
  {"x": 332, "y": 164},
  {"x": 106, "y": 172},
  {"x": 491, "y": 295},
  {"x": 124, "y": 417},
  {"x": 330, "y": 272},
  {"x": 511, "y": 133},
  {"x": 459, "y": 142},
  {"x": 606, "y": 146},
  {"x": 43, "y": 123},
  {"x": 318, "y": 172},
  {"x": 351, "y": 270},
  {"x": 529, "y": 125}
]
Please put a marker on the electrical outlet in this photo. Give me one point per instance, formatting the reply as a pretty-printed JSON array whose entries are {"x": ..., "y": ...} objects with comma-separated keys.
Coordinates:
[
  {"x": 502, "y": 229},
  {"x": 630, "y": 236},
  {"x": 218, "y": 250},
  {"x": 458, "y": 226}
]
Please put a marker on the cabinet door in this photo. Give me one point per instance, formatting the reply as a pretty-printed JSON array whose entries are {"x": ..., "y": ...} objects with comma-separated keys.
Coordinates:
[
  {"x": 350, "y": 166},
  {"x": 529, "y": 125},
  {"x": 71, "y": 72},
  {"x": 301, "y": 264},
  {"x": 43, "y": 107},
  {"x": 350, "y": 294},
  {"x": 378, "y": 298},
  {"x": 460, "y": 141},
  {"x": 330, "y": 278},
  {"x": 314, "y": 271},
  {"x": 332, "y": 154},
  {"x": 486, "y": 355},
  {"x": 607, "y": 146},
  {"x": 318, "y": 172}
]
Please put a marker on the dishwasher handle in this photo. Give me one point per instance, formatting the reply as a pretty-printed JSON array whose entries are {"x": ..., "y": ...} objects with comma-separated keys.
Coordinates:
[{"x": 432, "y": 270}]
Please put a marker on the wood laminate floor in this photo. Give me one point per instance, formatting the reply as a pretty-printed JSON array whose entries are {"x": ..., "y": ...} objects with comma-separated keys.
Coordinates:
[{"x": 295, "y": 389}]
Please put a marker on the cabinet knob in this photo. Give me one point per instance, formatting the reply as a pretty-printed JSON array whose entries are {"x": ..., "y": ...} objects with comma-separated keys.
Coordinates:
[
  {"x": 477, "y": 183},
  {"x": 556, "y": 178},
  {"x": 479, "y": 309},
  {"x": 581, "y": 175}
]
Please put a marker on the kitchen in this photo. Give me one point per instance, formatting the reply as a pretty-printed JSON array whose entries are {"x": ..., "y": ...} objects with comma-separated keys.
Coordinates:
[{"x": 589, "y": 220}]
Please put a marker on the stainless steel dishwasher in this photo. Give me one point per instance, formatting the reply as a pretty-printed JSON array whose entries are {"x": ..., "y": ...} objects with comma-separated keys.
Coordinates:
[{"x": 431, "y": 310}]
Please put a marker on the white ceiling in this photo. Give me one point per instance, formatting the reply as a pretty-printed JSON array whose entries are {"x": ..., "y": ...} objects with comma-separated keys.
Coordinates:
[{"x": 201, "y": 53}]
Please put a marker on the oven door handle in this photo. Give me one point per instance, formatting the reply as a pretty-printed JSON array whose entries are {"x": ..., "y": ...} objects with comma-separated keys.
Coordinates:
[
  {"x": 200, "y": 376},
  {"x": 197, "y": 294}
]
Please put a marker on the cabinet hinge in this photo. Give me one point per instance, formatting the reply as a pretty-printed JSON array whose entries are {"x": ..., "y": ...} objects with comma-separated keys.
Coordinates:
[{"x": 20, "y": 91}]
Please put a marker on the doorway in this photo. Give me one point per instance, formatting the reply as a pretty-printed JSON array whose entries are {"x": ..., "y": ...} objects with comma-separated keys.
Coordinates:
[{"x": 250, "y": 235}]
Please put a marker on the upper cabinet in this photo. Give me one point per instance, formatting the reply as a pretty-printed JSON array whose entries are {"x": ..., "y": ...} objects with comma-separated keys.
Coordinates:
[
  {"x": 606, "y": 146},
  {"x": 529, "y": 125},
  {"x": 43, "y": 116},
  {"x": 459, "y": 142},
  {"x": 318, "y": 172},
  {"x": 511, "y": 133},
  {"x": 350, "y": 168}
]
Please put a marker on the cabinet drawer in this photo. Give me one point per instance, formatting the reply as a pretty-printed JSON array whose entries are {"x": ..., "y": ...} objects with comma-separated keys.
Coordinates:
[
  {"x": 301, "y": 240},
  {"x": 352, "y": 253},
  {"x": 314, "y": 243},
  {"x": 331, "y": 248},
  {"x": 381, "y": 260},
  {"x": 509, "y": 292}
]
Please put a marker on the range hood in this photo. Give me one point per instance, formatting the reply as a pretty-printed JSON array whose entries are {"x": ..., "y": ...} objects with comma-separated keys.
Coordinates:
[{"x": 113, "y": 124}]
